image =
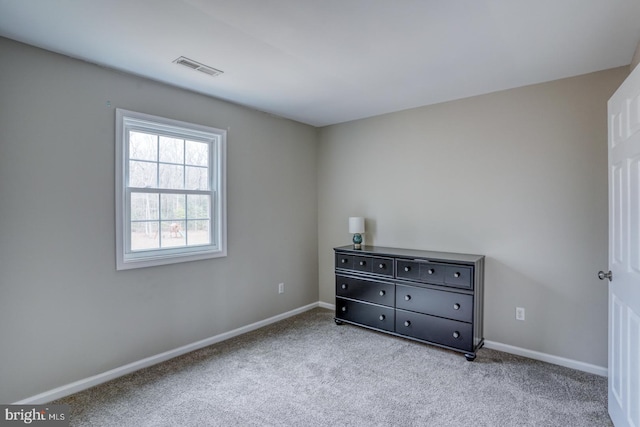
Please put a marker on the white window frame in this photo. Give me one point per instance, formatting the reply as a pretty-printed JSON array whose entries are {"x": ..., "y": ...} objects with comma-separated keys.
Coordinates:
[{"x": 217, "y": 138}]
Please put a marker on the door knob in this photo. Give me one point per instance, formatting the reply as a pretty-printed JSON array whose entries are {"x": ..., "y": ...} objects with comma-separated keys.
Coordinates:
[{"x": 602, "y": 275}]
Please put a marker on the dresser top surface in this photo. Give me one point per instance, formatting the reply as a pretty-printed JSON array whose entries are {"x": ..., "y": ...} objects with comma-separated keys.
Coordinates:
[{"x": 411, "y": 253}]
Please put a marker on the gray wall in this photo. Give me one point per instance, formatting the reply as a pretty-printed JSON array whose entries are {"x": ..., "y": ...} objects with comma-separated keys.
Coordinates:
[
  {"x": 65, "y": 312},
  {"x": 519, "y": 176}
]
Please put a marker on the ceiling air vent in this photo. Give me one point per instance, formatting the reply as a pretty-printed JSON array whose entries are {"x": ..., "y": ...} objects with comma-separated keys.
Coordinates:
[{"x": 198, "y": 66}]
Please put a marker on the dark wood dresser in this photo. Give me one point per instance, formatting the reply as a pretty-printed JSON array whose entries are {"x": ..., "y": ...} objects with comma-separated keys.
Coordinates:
[{"x": 431, "y": 297}]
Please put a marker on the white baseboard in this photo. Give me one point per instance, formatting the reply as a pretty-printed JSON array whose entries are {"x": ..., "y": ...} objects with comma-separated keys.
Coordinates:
[
  {"x": 549, "y": 358},
  {"x": 77, "y": 386},
  {"x": 86, "y": 383},
  {"x": 327, "y": 305}
]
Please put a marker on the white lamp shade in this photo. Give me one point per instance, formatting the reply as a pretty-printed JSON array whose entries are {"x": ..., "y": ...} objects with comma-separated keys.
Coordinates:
[{"x": 356, "y": 224}]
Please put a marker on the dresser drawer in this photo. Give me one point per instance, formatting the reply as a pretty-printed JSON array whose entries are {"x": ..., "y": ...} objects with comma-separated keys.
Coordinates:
[
  {"x": 376, "y": 316},
  {"x": 458, "y": 276},
  {"x": 437, "y": 303},
  {"x": 344, "y": 261},
  {"x": 422, "y": 271},
  {"x": 382, "y": 266},
  {"x": 361, "y": 263},
  {"x": 365, "y": 290},
  {"x": 407, "y": 269},
  {"x": 435, "y": 273},
  {"x": 376, "y": 265},
  {"x": 450, "y": 333},
  {"x": 432, "y": 273}
]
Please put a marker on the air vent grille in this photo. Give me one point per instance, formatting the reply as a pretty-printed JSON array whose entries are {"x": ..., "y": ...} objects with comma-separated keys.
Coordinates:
[{"x": 194, "y": 65}]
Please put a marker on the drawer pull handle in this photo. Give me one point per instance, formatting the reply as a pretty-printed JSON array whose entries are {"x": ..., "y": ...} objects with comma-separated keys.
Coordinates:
[
  {"x": 456, "y": 334},
  {"x": 344, "y": 309},
  {"x": 363, "y": 263},
  {"x": 456, "y": 274},
  {"x": 407, "y": 268},
  {"x": 382, "y": 293},
  {"x": 431, "y": 271},
  {"x": 344, "y": 260},
  {"x": 344, "y": 286},
  {"x": 381, "y": 266},
  {"x": 407, "y": 323},
  {"x": 407, "y": 297},
  {"x": 382, "y": 317},
  {"x": 456, "y": 306}
]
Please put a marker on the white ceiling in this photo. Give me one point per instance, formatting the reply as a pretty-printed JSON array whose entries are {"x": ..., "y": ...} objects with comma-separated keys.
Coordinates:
[{"x": 328, "y": 61}]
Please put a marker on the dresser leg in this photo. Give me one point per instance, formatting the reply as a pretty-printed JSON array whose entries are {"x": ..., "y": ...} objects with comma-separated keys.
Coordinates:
[
  {"x": 338, "y": 322},
  {"x": 470, "y": 357}
]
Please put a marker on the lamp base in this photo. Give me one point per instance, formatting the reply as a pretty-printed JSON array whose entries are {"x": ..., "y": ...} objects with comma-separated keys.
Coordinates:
[{"x": 357, "y": 241}]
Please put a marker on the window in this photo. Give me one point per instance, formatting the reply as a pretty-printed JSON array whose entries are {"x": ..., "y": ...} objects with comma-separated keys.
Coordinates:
[{"x": 170, "y": 191}]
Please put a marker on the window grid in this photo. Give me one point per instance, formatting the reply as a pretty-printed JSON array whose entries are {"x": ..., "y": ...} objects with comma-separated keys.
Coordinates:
[{"x": 158, "y": 189}]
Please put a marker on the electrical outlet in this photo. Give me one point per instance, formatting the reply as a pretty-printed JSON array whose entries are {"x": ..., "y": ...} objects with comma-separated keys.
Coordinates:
[
  {"x": 519, "y": 313},
  {"x": 281, "y": 288}
]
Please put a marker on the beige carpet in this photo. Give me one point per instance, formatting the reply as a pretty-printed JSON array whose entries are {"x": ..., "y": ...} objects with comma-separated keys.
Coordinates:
[{"x": 308, "y": 371}]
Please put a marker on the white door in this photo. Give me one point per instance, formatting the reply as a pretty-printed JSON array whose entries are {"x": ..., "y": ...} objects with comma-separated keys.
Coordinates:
[{"x": 624, "y": 253}]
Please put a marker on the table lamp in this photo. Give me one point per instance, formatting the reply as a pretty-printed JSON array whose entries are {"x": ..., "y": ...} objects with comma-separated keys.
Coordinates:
[{"x": 356, "y": 226}]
